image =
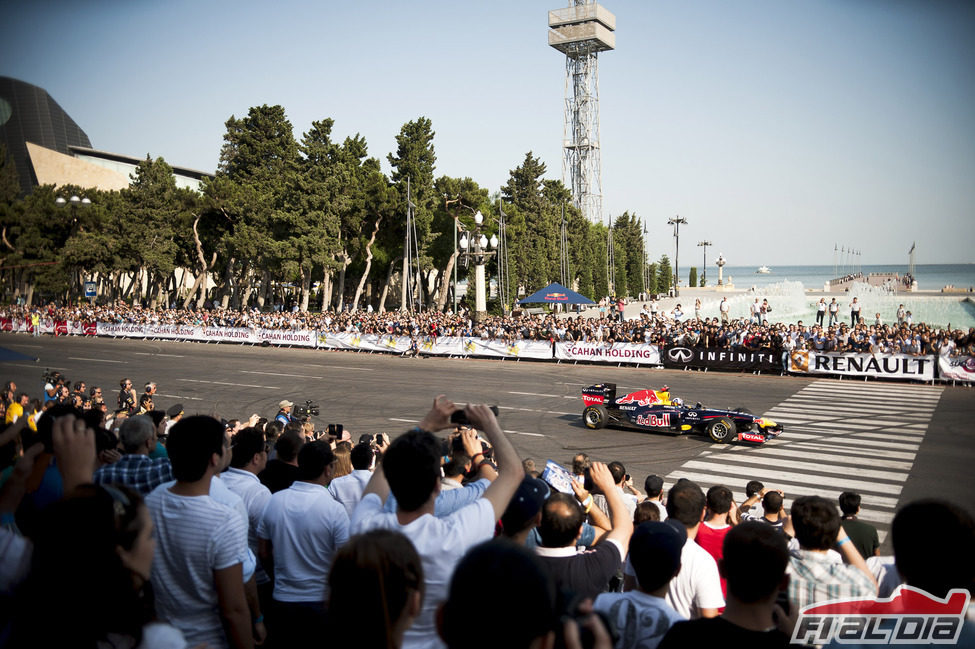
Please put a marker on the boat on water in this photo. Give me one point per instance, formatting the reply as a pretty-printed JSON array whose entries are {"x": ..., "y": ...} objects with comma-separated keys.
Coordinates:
[{"x": 763, "y": 270}]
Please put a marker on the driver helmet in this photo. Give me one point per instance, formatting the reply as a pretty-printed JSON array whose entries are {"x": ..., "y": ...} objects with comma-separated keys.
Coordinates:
[{"x": 677, "y": 401}]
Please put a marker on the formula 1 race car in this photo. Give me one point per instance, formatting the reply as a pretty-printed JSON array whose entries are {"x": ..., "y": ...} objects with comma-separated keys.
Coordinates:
[{"x": 655, "y": 410}]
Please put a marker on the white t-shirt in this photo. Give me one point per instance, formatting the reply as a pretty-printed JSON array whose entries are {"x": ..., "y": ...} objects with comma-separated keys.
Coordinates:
[
  {"x": 348, "y": 489},
  {"x": 697, "y": 585},
  {"x": 642, "y": 620},
  {"x": 306, "y": 526},
  {"x": 440, "y": 542},
  {"x": 255, "y": 497},
  {"x": 195, "y": 535},
  {"x": 223, "y": 495}
]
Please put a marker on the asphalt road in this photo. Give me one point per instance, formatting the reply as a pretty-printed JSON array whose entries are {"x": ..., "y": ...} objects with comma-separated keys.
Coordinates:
[{"x": 540, "y": 403}]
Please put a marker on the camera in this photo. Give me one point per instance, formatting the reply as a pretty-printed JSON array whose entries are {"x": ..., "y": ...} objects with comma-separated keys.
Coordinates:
[
  {"x": 335, "y": 430},
  {"x": 309, "y": 409},
  {"x": 53, "y": 377},
  {"x": 459, "y": 417}
]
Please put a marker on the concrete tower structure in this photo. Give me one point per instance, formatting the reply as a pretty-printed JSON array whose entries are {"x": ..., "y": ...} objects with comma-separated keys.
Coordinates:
[{"x": 581, "y": 31}]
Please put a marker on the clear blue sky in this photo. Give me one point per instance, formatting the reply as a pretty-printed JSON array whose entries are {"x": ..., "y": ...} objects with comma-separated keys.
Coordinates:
[{"x": 776, "y": 128}]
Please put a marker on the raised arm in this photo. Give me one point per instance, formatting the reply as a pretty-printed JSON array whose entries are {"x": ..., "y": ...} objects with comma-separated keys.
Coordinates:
[
  {"x": 622, "y": 523},
  {"x": 510, "y": 471}
]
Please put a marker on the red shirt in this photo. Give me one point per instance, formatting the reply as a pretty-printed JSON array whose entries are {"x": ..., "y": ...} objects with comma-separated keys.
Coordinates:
[{"x": 712, "y": 540}]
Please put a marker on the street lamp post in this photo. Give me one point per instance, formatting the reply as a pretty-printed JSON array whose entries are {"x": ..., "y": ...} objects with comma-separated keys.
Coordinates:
[
  {"x": 676, "y": 222},
  {"x": 474, "y": 244},
  {"x": 75, "y": 202},
  {"x": 704, "y": 275}
]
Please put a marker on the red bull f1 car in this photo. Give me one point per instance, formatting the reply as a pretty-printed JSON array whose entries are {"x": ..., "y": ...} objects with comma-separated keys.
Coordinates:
[{"x": 655, "y": 410}]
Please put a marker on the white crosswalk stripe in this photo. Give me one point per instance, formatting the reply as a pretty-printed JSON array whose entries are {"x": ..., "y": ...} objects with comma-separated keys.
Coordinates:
[{"x": 839, "y": 436}]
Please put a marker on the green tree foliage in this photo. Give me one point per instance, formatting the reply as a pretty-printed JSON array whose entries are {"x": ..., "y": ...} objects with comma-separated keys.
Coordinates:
[
  {"x": 665, "y": 275},
  {"x": 414, "y": 164},
  {"x": 652, "y": 278},
  {"x": 692, "y": 276},
  {"x": 533, "y": 225}
]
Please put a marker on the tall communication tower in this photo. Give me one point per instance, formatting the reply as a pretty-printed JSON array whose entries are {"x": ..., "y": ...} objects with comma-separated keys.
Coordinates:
[{"x": 581, "y": 31}]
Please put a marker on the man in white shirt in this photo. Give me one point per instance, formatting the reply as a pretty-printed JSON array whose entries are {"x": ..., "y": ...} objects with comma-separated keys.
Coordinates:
[
  {"x": 348, "y": 489},
  {"x": 302, "y": 528},
  {"x": 696, "y": 591},
  {"x": 248, "y": 459},
  {"x": 411, "y": 469},
  {"x": 197, "y": 573}
]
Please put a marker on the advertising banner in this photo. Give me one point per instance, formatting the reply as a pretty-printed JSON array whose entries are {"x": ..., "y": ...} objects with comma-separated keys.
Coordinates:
[
  {"x": 957, "y": 368},
  {"x": 615, "y": 353},
  {"x": 440, "y": 346},
  {"x": 887, "y": 366},
  {"x": 293, "y": 337},
  {"x": 540, "y": 349},
  {"x": 760, "y": 360},
  {"x": 120, "y": 330}
]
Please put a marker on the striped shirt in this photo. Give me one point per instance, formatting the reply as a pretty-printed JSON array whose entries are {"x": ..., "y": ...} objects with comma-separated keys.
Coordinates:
[
  {"x": 195, "y": 535},
  {"x": 816, "y": 578}
]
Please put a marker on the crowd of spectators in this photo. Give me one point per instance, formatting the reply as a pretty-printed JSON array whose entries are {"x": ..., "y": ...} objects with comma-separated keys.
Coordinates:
[
  {"x": 650, "y": 326},
  {"x": 148, "y": 529}
]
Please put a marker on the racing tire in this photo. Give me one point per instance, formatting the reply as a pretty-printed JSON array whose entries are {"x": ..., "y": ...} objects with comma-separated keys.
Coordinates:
[
  {"x": 721, "y": 430},
  {"x": 595, "y": 417}
]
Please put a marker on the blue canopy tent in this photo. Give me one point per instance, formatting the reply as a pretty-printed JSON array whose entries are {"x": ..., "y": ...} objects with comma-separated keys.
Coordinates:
[{"x": 555, "y": 293}]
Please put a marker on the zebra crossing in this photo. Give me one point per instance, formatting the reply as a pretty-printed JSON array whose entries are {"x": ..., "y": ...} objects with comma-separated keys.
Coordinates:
[{"x": 839, "y": 436}]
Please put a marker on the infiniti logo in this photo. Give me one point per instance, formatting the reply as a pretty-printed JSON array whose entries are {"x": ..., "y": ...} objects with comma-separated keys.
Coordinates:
[{"x": 680, "y": 354}]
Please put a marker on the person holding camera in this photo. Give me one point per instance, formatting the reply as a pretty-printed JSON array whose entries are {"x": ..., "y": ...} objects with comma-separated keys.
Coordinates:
[
  {"x": 284, "y": 412},
  {"x": 410, "y": 468}
]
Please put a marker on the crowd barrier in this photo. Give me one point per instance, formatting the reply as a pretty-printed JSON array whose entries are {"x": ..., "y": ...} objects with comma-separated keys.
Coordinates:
[{"x": 879, "y": 366}]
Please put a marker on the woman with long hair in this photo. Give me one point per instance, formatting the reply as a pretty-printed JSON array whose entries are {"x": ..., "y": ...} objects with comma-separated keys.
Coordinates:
[
  {"x": 375, "y": 590},
  {"x": 89, "y": 579}
]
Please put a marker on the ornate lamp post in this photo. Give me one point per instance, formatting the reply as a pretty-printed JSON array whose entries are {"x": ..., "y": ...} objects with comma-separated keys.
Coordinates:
[
  {"x": 474, "y": 246},
  {"x": 720, "y": 264}
]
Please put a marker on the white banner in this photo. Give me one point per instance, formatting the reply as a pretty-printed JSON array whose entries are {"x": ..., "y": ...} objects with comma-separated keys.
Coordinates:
[
  {"x": 120, "y": 330},
  {"x": 615, "y": 353},
  {"x": 304, "y": 338},
  {"x": 293, "y": 337},
  {"x": 957, "y": 368},
  {"x": 540, "y": 349},
  {"x": 888, "y": 366}
]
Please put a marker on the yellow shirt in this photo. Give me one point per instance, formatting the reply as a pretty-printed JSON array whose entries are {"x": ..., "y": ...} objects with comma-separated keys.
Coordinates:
[{"x": 14, "y": 412}]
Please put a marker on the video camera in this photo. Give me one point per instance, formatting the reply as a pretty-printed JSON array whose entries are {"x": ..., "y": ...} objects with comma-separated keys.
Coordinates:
[
  {"x": 54, "y": 377},
  {"x": 309, "y": 409}
]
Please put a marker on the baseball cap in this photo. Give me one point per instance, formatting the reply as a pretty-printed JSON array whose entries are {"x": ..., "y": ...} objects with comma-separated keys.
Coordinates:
[
  {"x": 526, "y": 502},
  {"x": 174, "y": 410},
  {"x": 285, "y": 404}
]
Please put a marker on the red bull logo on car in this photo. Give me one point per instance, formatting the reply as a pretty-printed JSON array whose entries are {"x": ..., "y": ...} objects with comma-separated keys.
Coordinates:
[
  {"x": 640, "y": 398},
  {"x": 654, "y": 420}
]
